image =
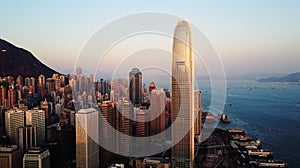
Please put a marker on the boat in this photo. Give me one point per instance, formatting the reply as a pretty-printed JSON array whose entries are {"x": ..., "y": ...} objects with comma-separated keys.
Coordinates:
[{"x": 224, "y": 119}]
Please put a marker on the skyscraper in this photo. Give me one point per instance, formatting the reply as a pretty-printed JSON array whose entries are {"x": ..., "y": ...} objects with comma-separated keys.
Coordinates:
[
  {"x": 2, "y": 95},
  {"x": 87, "y": 129},
  {"x": 109, "y": 113},
  {"x": 124, "y": 125},
  {"x": 26, "y": 138},
  {"x": 37, "y": 119},
  {"x": 11, "y": 98},
  {"x": 45, "y": 108},
  {"x": 41, "y": 81},
  {"x": 135, "y": 86},
  {"x": 183, "y": 96},
  {"x": 13, "y": 120},
  {"x": 157, "y": 111}
]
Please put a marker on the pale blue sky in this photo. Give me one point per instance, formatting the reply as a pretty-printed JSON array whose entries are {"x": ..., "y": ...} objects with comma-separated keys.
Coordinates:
[{"x": 250, "y": 36}]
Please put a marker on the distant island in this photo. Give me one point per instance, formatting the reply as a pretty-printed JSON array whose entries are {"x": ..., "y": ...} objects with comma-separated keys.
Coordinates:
[{"x": 290, "y": 78}]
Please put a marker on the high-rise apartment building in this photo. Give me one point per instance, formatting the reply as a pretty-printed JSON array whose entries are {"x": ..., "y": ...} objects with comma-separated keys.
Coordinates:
[
  {"x": 2, "y": 95},
  {"x": 183, "y": 97},
  {"x": 14, "y": 119},
  {"x": 135, "y": 86},
  {"x": 50, "y": 85},
  {"x": 37, "y": 118},
  {"x": 41, "y": 81},
  {"x": 87, "y": 132},
  {"x": 12, "y": 98}
]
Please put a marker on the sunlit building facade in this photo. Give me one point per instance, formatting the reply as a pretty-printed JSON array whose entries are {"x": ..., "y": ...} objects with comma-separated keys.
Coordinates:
[
  {"x": 87, "y": 132},
  {"x": 183, "y": 97},
  {"x": 13, "y": 120},
  {"x": 157, "y": 111},
  {"x": 37, "y": 119},
  {"x": 124, "y": 126}
]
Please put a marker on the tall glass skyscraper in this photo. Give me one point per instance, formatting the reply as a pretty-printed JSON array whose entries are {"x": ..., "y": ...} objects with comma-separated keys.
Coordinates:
[
  {"x": 135, "y": 86},
  {"x": 183, "y": 97}
]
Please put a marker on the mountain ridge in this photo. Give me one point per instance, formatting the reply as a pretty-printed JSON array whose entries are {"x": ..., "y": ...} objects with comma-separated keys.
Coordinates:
[
  {"x": 292, "y": 77},
  {"x": 27, "y": 64}
]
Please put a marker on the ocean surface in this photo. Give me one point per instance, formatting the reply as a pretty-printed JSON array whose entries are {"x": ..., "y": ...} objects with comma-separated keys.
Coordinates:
[{"x": 269, "y": 112}]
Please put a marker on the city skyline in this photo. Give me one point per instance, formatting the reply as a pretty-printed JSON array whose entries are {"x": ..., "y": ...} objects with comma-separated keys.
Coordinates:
[{"x": 135, "y": 84}]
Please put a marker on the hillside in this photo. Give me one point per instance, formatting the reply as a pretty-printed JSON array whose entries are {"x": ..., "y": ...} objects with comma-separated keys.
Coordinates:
[
  {"x": 293, "y": 77},
  {"x": 16, "y": 61}
]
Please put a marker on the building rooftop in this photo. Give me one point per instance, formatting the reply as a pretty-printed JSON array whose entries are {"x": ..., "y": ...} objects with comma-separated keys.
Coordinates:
[
  {"x": 86, "y": 111},
  {"x": 36, "y": 150},
  {"x": 8, "y": 148}
]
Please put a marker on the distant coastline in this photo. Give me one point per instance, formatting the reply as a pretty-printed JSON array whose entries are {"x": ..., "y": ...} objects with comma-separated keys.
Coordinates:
[{"x": 292, "y": 78}]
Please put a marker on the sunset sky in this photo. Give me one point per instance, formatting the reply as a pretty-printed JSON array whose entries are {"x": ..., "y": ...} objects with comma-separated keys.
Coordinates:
[{"x": 249, "y": 36}]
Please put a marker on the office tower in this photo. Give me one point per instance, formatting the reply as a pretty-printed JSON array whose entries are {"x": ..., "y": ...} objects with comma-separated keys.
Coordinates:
[
  {"x": 157, "y": 111},
  {"x": 26, "y": 138},
  {"x": 41, "y": 81},
  {"x": 10, "y": 156},
  {"x": 37, "y": 119},
  {"x": 12, "y": 98},
  {"x": 135, "y": 86},
  {"x": 198, "y": 112},
  {"x": 36, "y": 157},
  {"x": 103, "y": 89},
  {"x": 142, "y": 126},
  {"x": 13, "y": 120},
  {"x": 87, "y": 131},
  {"x": 183, "y": 96},
  {"x": 124, "y": 125}
]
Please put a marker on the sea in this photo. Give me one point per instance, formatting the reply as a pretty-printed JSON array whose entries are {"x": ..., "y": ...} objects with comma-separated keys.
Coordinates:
[{"x": 269, "y": 112}]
